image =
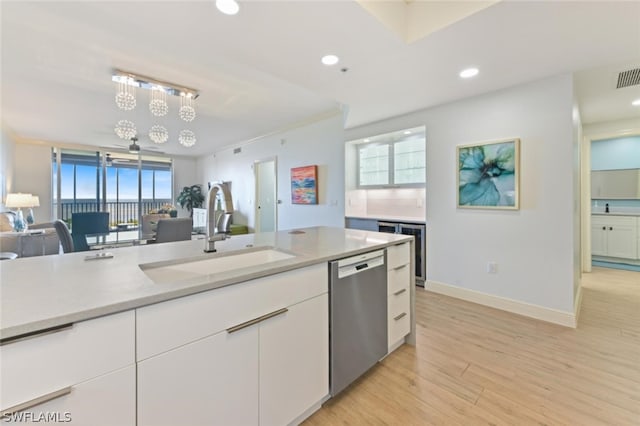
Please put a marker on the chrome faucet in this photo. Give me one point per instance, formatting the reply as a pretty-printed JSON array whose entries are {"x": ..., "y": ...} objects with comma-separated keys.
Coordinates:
[{"x": 212, "y": 236}]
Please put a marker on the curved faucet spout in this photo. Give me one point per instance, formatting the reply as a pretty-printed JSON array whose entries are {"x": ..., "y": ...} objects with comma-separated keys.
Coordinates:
[{"x": 211, "y": 214}]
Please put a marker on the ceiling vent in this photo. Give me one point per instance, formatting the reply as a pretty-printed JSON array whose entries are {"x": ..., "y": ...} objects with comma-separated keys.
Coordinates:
[
  {"x": 237, "y": 150},
  {"x": 628, "y": 78}
]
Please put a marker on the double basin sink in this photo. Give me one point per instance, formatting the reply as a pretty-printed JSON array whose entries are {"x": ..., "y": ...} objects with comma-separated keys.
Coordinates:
[{"x": 182, "y": 270}]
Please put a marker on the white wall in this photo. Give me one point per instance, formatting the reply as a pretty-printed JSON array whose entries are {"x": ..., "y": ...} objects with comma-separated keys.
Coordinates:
[
  {"x": 577, "y": 195},
  {"x": 7, "y": 160},
  {"x": 532, "y": 246},
  {"x": 184, "y": 174},
  {"x": 320, "y": 143},
  {"x": 32, "y": 175}
]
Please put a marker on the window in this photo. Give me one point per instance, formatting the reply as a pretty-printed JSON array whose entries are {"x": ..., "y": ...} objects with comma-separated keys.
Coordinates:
[
  {"x": 91, "y": 181},
  {"x": 393, "y": 159}
]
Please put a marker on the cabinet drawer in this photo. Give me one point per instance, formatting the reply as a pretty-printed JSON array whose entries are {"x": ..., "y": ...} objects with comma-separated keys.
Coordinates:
[
  {"x": 170, "y": 324},
  {"x": 40, "y": 365},
  {"x": 398, "y": 303},
  {"x": 613, "y": 220},
  {"x": 398, "y": 255},
  {"x": 399, "y": 326},
  {"x": 398, "y": 278}
]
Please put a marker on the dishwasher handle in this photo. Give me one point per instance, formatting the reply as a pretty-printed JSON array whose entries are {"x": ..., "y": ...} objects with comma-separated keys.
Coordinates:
[{"x": 358, "y": 264}]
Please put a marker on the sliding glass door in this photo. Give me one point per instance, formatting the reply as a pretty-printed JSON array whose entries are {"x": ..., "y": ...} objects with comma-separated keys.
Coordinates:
[{"x": 125, "y": 185}]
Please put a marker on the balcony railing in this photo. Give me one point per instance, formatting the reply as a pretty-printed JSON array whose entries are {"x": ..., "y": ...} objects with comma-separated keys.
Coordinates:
[{"x": 120, "y": 212}]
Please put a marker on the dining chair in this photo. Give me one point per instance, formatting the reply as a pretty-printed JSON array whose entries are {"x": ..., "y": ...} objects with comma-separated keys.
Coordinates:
[
  {"x": 174, "y": 230},
  {"x": 64, "y": 235},
  {"x": 87, "y": 223}
]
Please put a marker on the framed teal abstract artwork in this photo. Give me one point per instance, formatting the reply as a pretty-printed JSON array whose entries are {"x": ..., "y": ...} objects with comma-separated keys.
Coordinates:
[{"x": 488, "y": 175}]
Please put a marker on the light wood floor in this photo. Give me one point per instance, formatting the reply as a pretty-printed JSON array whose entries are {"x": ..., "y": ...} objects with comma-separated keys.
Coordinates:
[{"x": 477, "y": 365}]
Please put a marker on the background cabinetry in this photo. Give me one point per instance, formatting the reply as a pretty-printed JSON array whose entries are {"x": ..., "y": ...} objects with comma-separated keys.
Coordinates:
[{"x": 614, "y": 236}]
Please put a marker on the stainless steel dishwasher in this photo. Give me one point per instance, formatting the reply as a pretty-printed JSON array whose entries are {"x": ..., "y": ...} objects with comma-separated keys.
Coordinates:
[{"x": 358, "y": 308}]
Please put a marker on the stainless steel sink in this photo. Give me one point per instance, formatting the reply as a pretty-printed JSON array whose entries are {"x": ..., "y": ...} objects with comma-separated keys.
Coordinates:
[{"x": 185, "y": 269}]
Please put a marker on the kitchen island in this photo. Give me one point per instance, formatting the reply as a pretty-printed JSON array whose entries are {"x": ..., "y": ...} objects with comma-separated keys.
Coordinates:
[{"x": 105, "y": 325}]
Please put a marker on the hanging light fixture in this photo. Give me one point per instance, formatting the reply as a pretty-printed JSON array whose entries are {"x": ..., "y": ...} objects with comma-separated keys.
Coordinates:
[
  {"x": 158, "y": 104},
  {"x": 125, "y": 129},
  {"x": 187, "y": 138},
  {"x": 158, "y": 134},
  {"x": 126, "y": 94},
  {"x": 187, "y": 111}
]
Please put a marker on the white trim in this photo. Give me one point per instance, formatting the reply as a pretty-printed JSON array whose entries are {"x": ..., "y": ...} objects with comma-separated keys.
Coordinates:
[
  {"x": 567, "y": 319},
  {"x": 577, "y": 304}
]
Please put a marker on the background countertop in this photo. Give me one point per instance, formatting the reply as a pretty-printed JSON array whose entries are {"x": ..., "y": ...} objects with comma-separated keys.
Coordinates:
[{"x": 47, "y": 291}]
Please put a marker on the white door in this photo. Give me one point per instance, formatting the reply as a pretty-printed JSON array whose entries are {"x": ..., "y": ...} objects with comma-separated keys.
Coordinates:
[
  {"x": 294, "y": 361},
  {"x": 212, "y": 381},
  {"x": 104, "y": 401},
  {"x": 621, "y": 241},
  {"x": 266, "y": 203},
  {"x": 598, "y": 239}
]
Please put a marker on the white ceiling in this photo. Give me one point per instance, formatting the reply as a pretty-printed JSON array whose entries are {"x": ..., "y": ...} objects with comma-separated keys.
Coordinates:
[{"x": 260, "y": 71}]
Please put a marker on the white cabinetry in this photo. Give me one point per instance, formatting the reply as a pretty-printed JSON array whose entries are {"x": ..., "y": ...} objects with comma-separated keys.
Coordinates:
[
  {"x": 398, "y": 294},
  {"x": 614, "y": 236},
  {"x": 247, "y": 354},
  {"x": 84, "y": 372}
]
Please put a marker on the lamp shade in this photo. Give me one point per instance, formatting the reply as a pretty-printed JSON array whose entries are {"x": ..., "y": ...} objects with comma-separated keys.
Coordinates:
[
  {"x": 35, "y": 201},
  {"x": 18, "y": 200}
]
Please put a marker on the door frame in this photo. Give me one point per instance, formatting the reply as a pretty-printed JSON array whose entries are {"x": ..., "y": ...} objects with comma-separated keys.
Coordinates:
[
  {"x": 585, "y": 211},
  {"x": 275, "y": 191}
]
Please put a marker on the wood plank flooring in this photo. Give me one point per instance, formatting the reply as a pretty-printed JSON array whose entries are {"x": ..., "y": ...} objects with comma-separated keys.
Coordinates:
[{"x": 477, "y": 365}]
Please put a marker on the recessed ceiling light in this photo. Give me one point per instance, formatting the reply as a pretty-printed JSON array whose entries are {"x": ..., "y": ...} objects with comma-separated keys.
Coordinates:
[
  {"x": 407, "y": 132},
  {"x": 330, "y": 59},
  {"x": 367, "y": 140},
  {"x": 636, "y": 102},
  {"x": 228, "y": 7},
  {"x": 469, "y": 72}
]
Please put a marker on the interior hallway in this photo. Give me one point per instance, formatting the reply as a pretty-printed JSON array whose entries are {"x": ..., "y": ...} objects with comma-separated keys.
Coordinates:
[{"x": 478, "y": 365}]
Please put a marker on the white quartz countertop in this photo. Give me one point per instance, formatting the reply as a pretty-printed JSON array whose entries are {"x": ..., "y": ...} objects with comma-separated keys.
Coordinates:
[{"x": 37, "y": 293}]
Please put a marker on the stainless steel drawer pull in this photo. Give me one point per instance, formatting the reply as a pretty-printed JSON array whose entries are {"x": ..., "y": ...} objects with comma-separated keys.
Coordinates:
[
  {"x": 256, "y": 320},
  {"x": 400, "y": 267},
  {"x": 37, "y": 401},
  {"x": 402, "y": 315},
  {"x": 399, "y": 292},
  {"x": 35, "y": 334}
]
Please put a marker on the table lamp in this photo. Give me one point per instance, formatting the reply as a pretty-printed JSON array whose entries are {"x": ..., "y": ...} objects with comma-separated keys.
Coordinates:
[
  {"x": 17, "y": 201},
  {"x": 35, "y": 202}
]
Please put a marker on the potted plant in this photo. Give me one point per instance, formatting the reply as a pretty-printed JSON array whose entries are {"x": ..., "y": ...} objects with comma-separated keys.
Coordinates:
[{"x": 191, "y": 197}]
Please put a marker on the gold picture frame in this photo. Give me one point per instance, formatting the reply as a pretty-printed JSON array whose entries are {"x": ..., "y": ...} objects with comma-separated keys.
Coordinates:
[{"x": 488, "y": 175}]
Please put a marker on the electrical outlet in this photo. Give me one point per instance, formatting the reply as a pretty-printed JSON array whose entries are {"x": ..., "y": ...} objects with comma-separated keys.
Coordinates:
[{"x": 492, "y": 268}]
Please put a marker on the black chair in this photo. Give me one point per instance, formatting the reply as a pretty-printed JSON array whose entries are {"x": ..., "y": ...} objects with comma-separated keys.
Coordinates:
[
  {"x": 64, "y": 236},
  {"x": 174, "y": 230},
  {"x": 89, "y": 223}
]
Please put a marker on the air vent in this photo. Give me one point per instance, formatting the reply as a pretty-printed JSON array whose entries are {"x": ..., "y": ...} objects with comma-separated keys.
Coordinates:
[
  {"x": 237, "y": 150},
  {"x": 628, "y": 78}
]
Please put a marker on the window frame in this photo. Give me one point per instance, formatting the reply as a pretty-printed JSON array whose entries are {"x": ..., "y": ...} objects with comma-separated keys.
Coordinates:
[{"x": 391, "y": 168}]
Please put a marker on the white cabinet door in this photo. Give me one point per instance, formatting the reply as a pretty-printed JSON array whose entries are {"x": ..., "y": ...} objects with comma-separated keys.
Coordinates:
[
  {"x": 104, "y": 401},
  {"x": 294, "y": 361},
  {"x": 621, "y": 241},
  {"x": 212, "y": 381},
  {"x": 598, "y": 239}
]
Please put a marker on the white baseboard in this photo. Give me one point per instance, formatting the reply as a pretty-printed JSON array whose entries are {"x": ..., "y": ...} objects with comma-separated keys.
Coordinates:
[{"x": 567, "y": 319}]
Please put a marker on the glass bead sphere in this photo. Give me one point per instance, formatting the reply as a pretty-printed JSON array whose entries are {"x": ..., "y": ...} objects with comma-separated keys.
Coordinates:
[
  {"x": 187, "y": 138},
  {"x": 158, "y": 107},
  {"x": 187, "y": 113},
  {"x": 125, "y": 101},
  {"x": 125, "y": 129},
  {"x": 158, "y": 134}
]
